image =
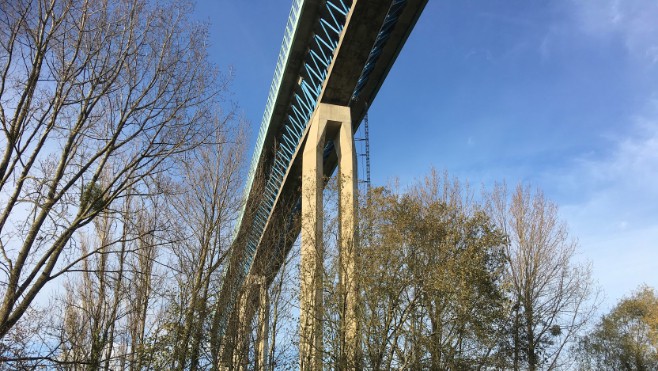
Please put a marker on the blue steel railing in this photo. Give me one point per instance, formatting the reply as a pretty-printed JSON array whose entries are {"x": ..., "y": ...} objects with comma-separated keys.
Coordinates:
[{"x": 291, "y": 26}]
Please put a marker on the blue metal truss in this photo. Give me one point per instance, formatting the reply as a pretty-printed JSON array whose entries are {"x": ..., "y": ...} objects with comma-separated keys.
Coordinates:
[
  {"x": 284, "y": 53},
  {"x": 302, "y": 104},
  {"x": 384, "y": 34}
]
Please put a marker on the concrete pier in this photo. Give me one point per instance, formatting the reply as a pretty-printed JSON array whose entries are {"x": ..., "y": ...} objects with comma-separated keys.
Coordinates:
[{"x": 333, "y": 121}]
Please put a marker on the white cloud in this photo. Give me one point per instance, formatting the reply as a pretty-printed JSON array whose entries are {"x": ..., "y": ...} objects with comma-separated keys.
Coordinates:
[
  {"x": 630, "y": 170},
  {"x": 635, "y": 21},
  {"x": 616, "y": 217}
]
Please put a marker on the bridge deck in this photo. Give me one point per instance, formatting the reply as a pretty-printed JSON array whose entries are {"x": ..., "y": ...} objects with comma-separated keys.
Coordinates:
[{"x": 337, "y": 52}]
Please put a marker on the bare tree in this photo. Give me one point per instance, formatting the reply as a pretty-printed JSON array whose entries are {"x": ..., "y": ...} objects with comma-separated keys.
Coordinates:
[
  {"x": 142, "y": 284},
  {"x": 107, "y": 305},
  {"x": 283, "y": 330},
  {"x": 552, "y": 296},
  {"x": 96, "y": 99},
  {"x": 205, "y": 213},
  {"x": 91, "y": 304}
]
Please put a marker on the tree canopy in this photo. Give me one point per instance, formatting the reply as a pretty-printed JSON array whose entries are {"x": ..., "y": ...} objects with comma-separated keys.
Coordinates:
[
  {"x": 431, "y": 264},
  {"x": 626, "y": 338}
]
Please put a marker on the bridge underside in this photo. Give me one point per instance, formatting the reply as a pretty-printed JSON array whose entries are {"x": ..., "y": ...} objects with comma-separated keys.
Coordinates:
[
  {"x": 359, "y": 36},
  {"x": 368, "y": 45}
]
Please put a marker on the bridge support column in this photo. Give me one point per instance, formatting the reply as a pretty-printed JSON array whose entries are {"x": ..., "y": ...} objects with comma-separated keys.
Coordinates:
[
  {"x": 253, "y": 297},
  {"x": 327, "y": 118},
  {"x": 347, "y": 242},
  {"x": 245, "y": 317},
  {"x": 229, "y": 342},
  {"x": 263, "y": 325}
]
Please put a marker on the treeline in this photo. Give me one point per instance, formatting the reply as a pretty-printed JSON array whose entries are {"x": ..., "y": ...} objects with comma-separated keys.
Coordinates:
[
  {"x": 120, "y": 172},
  {"x": 139, "y": 286},
  {"x": 453, "y": 281},
  {"x": 121, "y": 167},
  {"x": 450, "y": 280}
]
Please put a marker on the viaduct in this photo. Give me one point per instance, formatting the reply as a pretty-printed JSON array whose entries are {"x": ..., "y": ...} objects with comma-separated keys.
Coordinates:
[{"x": 334, "y": 58}]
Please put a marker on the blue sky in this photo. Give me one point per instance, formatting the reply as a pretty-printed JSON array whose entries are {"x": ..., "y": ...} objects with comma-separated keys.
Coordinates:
[{"x": 562, "y": 95}]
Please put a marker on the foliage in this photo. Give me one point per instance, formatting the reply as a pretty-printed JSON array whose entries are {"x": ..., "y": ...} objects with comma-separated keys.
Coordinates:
[
  {"x": 431, "y": 267},
  {"x": 626, "y": 338},
  {"x": 92, "y": 197},
  {"x": 448, "y": 283}
]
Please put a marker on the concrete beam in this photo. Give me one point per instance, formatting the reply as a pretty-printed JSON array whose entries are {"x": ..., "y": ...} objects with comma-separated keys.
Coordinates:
[
  {"x": 363, "y": 23},
  {"x": 363, "y": 26}
]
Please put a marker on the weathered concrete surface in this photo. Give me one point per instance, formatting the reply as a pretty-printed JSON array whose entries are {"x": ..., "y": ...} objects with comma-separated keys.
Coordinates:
[{"x": 333, "y": 122}]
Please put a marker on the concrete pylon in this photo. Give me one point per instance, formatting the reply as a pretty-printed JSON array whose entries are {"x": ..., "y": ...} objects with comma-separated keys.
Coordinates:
[
  {"x": 263, "y": 325},
  {"x": 348, "y": 183},
  {"x": 245, "y": 316},
  {"x": 335, "y": 119},
  {"x": 229, "y": 343},
  {"x": 253, "y": 297}
]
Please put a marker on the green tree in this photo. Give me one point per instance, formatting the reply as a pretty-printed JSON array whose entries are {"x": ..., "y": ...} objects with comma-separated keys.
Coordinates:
[
  {"x": 431, "y": 264},
  {"x": 626, "y": 338}
]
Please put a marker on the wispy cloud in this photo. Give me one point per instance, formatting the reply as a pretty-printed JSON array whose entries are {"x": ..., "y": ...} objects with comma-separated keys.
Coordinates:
[
  {"x": 635, "y": 21},
  {"x": 616, "y": 218}
]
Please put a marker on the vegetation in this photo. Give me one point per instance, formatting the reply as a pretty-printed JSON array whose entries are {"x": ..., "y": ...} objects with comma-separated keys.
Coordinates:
[
  {"x": 626, "y": 338},
  {"x": 121, "y": 170},
  {"x": 119, "y": 173},
  {"x": 551, "y": 297},
  {"x": 451, "y": 283},
  {"x": 432, "y": 279}
]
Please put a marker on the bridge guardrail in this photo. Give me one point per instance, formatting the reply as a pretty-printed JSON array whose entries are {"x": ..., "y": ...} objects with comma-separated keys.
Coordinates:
[{"x": 291, "y": 26}]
